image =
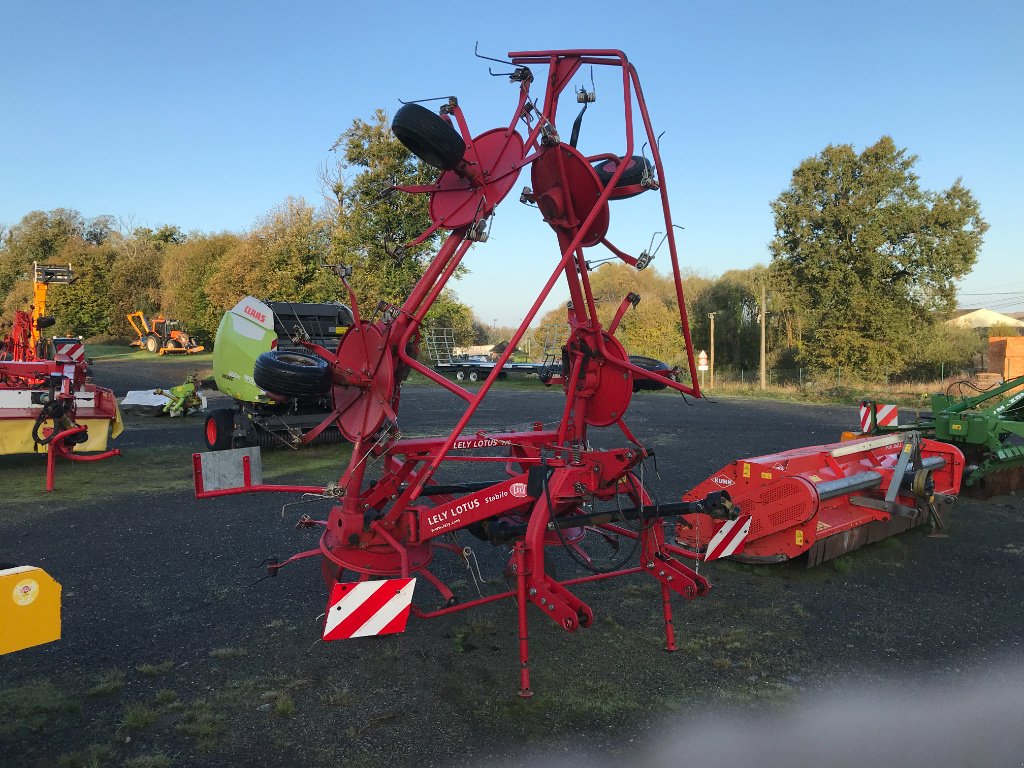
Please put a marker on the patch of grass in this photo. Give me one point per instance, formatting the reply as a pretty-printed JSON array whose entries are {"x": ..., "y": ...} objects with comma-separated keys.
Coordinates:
[
  {"x": 92, "y": 756},
  {"x": 31, "y": 707},
  {"x": 167, "y": 698},
  {"x": 842, "y": 564},
  {"x": 152, "y": 760},
  {"x": 107, "y": 683},
  {"x": 136, "y": 717},
  {"x": 229, "y": 653},
  {"x": 586, "y": 701},
  {"x": 202, "y": 723},
  {"x": 1013, "y": 549},
  {"x": 339, "y": 695},
  {"x": 462, "y": 639},
  {"x": 284, "y": 705},
  {"x": 155, "y": 670}
]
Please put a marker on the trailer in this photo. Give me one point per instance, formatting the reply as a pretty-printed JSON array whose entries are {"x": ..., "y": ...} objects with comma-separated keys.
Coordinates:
[{"x": 440, "y": 347}]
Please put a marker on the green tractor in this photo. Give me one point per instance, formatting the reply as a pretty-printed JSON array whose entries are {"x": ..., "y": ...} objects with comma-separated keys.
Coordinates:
[
  {"x": 987, "y": 425},
  {"x": 246, "y": 331}
]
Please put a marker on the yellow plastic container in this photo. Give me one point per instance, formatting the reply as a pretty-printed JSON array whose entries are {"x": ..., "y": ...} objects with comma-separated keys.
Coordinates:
[{"x": 29, "y": 608}]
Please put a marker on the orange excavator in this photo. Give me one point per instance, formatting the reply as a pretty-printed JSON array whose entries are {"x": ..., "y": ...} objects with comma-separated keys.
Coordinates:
[{"x": 162, "y": 336}]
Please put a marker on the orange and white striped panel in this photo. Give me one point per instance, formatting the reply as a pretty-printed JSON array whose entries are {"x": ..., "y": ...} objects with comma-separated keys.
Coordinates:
[
  {"x": 728, "y": 540},
  {"x": 72, "y": 349},
  {"x": 366, "y": 608},
  {"x": 885, "y": 415}
]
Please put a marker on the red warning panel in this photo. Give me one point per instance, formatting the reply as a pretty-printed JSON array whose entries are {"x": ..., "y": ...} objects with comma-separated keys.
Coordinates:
[{"x": 366, "y": 608}]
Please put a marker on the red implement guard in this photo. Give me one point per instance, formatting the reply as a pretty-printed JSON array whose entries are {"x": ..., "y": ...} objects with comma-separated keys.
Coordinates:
[{"x": 826, "y": 500}]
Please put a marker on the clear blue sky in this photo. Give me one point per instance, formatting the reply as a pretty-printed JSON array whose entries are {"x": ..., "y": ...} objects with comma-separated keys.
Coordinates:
[{"x": 208, "y": 114}]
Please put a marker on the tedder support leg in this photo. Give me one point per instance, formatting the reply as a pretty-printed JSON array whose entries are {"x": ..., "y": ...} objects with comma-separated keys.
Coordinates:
[
  {"x": 670, "y": 633},
  {"x": 524, "y": 632}
]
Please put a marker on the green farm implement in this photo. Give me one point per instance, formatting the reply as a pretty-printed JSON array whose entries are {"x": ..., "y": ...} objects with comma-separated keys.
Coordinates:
[{"x": 988, "y": 426}]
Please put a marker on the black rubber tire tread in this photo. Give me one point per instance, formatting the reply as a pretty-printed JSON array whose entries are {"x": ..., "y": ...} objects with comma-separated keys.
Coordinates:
[
  {"x": 173, "y": 344},
  {"x": 633, "y": 174},
  {"x": 291, "y": 373},
  {"x": 474, "y": 375},
  {"x": 152, "y": 344},
  {"x": 428, "y": 136},
  {"x": 224, "y": 424}
]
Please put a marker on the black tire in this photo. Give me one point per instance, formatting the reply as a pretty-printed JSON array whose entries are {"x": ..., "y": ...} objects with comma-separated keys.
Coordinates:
[
  {"x": 474, "y": 375},
  {"x": 219, "y": 427},
  {"x": 292, "y": 374},
  {"x": 637, "y": 167},
  {"x": 152, "y": 344},
  {"x": 173, "y": 344},
  {"x": 460, "y": 375},
  {"x": 428, "y": 136}
]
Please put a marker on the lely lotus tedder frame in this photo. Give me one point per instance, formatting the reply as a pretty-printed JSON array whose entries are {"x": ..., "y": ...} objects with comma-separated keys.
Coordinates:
[{"x": 557, "y": 486}]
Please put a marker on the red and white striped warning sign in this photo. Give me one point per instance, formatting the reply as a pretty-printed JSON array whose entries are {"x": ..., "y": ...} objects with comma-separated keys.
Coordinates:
[
  {"x": 729, "y": 538},
  {"x": 366, "y": 608},
  {"x": 73, "y": 349},
  {"x": 885, "y": 416}
]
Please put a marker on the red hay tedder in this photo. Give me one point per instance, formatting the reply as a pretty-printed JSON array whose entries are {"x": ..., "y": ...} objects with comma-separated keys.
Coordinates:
[{"x": 557, "y": 487}]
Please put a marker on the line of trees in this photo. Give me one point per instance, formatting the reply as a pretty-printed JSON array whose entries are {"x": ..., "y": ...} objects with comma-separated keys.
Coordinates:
[{"x": 862, "y": 273}]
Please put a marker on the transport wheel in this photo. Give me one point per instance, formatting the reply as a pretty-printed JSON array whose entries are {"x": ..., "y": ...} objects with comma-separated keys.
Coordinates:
[
  {"x": 460, "y": 375},
  {"x": 220, "y": 423},
  {"x": 152, "y": 344},
  {"x": 428, "y": 136},
  {"x": 637, "y": 166},
  {"x": 474, "y": 375},
  {"x": 173, "y": 344},
  {"x": 292, "y": 374}
]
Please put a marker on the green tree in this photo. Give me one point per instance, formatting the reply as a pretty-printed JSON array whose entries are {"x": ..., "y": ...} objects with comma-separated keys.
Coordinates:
[
  {"x": 864, "y": 257},
  {"x": 279, "y": 260},
  {"x": 84, "y": 308},
  {"x": 39, "y": 236},
  {"x": 188, "y": 277},
  {"x": 372, "y": 222}
]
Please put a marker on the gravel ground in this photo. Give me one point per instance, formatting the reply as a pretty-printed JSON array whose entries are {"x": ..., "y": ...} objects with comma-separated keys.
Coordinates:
[{"x": 176, "y": 652}]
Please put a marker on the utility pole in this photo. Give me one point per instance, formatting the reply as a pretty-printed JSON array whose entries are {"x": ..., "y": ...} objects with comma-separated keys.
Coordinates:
[
  {"x": 711, "y": 383},
  {"x": 764, "y": 315}
]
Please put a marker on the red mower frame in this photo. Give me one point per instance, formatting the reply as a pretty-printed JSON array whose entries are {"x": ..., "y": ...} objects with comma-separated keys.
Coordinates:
[{"x": 392, "y": 527}]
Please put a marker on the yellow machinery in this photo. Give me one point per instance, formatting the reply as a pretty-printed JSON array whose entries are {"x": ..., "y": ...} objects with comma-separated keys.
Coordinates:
[
  {"x": 43, "y": 277},
  {"x": 162, "y": 336},
  {"x": 29, "y": 608}
]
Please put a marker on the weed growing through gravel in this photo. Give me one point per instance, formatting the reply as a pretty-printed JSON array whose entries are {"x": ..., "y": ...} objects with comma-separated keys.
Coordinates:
[
  {"x": 108, "y": 683},
  {"x": 585, "y": 702},
  {"x": 339, "y": 695},
  {"x": 167, "y": 698},
  {"x": 155, "y": 670},
  {"x": 154, "y": 760},
  {"x": 843, "y": 564},
  {"x": 92, "y": 756},
  {"x": 31, "y": 707},
  {"x": 136, "y": 717},
  {"x": 203, "y": 724},
  {"x": 463, "y": 636},
  {"x": 284, "y": 705}
]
